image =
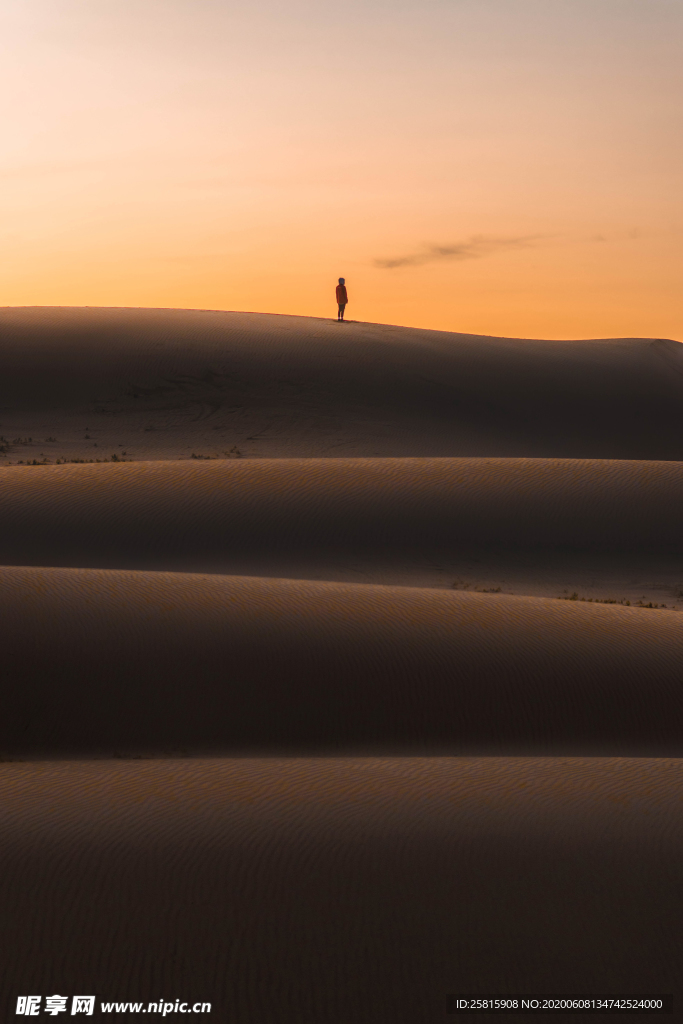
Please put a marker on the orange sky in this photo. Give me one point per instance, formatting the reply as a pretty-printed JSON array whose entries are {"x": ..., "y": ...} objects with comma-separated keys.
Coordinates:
[{"x": 508, "y": 167}]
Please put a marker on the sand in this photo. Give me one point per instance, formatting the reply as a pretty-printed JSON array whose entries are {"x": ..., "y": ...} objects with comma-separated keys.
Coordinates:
[
  {"x": 303, "y": 712},
  {"x": 107, "y": 662},
  {"x": 608, "y": 530},
  {"x": 166, "y": 384},
  {"x": 298, "y": 891}
]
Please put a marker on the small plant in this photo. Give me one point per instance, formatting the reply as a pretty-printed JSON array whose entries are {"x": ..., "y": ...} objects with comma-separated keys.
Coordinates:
[
  {"x": 50, "y": 438},
  {"x": 613, "y": 600},
  {"x": 64, "y": 461}
]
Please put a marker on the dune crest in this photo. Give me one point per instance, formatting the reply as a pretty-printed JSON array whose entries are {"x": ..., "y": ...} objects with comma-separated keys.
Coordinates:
[
  {"x": 165, "y": 383},
  {"x": 163, "y": 663}
]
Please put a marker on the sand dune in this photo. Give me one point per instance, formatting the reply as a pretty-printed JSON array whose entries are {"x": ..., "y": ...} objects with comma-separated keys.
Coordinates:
[
  {"x": 299, "y": 599},
  {"x": 169, "y": 514},
  {"x": 100, "y": 662},
  {"x": 538, "y": 527},
  {"x": 446, "y": 519},
  {"x": 340, "y": 890},
  {"x": 170, "y": 383}
]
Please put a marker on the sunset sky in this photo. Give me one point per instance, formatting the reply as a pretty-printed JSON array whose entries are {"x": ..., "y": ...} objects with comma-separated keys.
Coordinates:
[{"x": 507, "y": 167}]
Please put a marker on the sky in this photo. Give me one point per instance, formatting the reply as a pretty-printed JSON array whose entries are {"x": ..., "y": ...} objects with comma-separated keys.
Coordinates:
[{"x": 500, "y": 167}]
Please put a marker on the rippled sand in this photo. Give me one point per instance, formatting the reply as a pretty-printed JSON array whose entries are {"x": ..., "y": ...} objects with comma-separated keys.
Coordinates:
[{"x": 341, "y": 889}]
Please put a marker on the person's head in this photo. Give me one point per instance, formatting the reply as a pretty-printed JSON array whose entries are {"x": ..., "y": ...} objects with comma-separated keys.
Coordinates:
[{"x": 342, "y": 280}]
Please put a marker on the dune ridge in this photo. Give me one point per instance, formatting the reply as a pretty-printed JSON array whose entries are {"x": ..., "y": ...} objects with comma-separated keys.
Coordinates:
[
  {"x": 277, "y": 386},
  {"x": 217, "y": 511},
  {"x": 100, "y": 662}
]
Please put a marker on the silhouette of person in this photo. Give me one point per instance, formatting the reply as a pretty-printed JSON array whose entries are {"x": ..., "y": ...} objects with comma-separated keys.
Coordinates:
[{"x": 342, "y": 298}]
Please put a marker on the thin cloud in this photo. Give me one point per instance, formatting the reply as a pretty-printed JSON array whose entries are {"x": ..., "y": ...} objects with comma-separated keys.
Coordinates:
[{"x": 470, "y": 249}]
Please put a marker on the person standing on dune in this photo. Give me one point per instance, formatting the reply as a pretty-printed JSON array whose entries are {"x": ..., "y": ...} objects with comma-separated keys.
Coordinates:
[{"x": 342, "y": 298}]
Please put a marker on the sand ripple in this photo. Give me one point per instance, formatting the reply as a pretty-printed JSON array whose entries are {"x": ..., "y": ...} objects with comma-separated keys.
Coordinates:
[{"x": 336, "y": 890}]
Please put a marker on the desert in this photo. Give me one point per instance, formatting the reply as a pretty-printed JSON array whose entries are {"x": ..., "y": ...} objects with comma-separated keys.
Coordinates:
[
  {"x": 341, "y": 494},
  {"x": 337, "y": 655}
]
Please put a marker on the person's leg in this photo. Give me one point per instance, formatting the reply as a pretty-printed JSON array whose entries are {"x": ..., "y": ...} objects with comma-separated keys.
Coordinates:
[{"x": 341, "y": 310}]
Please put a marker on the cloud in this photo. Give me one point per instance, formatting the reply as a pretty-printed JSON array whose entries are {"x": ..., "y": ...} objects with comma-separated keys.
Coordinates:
[{"x": 471, "y": 249}]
